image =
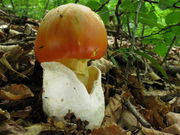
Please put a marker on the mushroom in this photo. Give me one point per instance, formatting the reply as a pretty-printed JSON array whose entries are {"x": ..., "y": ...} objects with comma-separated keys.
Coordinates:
[{"x": 67, "y": 38}]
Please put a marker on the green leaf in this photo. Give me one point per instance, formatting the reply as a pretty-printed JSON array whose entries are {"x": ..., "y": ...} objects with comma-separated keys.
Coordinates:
[
  {"x": 152, "y": 40},
  {"x": 129, "y": 6},
  {"x": 168, "y": 37},
  {"x": 177, "y": 42},
  {"x": 126, "y": 16},
  {"x": 165, "y": 4},
  {"x": 153, "y": 62},
  {"x": 144, "y": 8},
  {"x": 93, "y": 4},
  {"x": 124, "y": 52},
  {"x": 102, "y": 1},
  {"x": 148, "y": 18},
  {"x": 161, "y": 49},
  {"x": 176, "y": 30},
  {"x": 113, "y": 60},
  {"x": 104, "y": 12},
  {"x": 173, "y": 18},
  {"x": 178, "y": 4}
]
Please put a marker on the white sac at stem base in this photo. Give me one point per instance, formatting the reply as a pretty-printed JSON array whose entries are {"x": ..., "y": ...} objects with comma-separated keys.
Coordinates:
[{"x": 63, "y": 92}]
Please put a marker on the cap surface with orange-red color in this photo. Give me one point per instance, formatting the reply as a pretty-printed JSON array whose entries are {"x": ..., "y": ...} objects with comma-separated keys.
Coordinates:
[{"x": 70, "y": 31}]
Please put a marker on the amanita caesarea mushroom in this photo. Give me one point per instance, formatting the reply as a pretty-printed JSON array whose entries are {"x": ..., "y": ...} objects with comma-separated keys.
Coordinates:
[{"x": 67, "y": 38}]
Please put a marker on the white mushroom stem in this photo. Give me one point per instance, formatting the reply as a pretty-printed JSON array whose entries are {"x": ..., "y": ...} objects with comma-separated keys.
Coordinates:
[{"x": 63, "y": 91}]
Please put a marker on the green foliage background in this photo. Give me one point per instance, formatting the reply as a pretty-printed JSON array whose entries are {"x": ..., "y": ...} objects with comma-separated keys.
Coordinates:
[{"x": 153, "y": 22}]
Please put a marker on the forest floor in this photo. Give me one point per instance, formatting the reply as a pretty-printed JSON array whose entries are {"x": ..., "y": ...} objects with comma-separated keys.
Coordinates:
[{"x": 139, "y": 100}]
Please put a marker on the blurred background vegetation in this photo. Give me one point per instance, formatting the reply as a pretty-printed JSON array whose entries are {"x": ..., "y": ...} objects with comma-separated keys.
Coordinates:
[{"x": 148, "y": 22}]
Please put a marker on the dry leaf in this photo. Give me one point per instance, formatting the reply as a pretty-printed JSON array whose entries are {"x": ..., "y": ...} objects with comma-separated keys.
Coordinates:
[
  {"x": 109, "y": 130},
  {"x": 103, "y": 64},
  {"x": 4, "y": 115},
  {"x": 132, "y": 79},
  {"x": 176, "y": 104},
  {"x": 8, "y": 129},
  {"x": 174, "y": 129},
  {"x": 2, "y": 76},
  {"x": 10, "y": 48},
  {"x": 113, "y": 110},
  {"x": 154, "y": 76},
  {"x": 128, "y": 120},
  {"x": 149, "y": 131},
  {"x": 5, "y": 62},
  {"x": 15, "y": 92},
  {"x": 2, "y": 34},
  {"x": 172, "y": 118},
  {"x": 158, "y": 110},
  {"x": 22, "y": 113},
  {"x": 37, "y": 128},
  {"x": 28, "y": 29},
  {"x": 14, "y": 32}
]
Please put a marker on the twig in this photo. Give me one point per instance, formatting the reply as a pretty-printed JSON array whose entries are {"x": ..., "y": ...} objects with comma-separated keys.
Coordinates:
[
  {"x": 2, "y": 2},
  {"x": 25, "y": 13},
  {"x": 175, "y": 6},
  {"x": 118, "y": 23},
  {"x": 163, "y": 29},
  {"x": 138, "y": 116},
  {"x": 46, "y": 6},
  {"x": 12, "y": 4},
  {"x": 76, "y": 1},
  {"x": 135, "y": 24},
  {"x": 2, "y": 12},
  {"x": 121, "y": 33},
  {"x": 169, "y": 49},
  {"x": 142, "y": 32},
  {"x": 129, "y": 30},
  {"x": 156, "y": 2},
  {"x": 133, "y": 39},
  {"x": 150, "y": 1},
  {"x": 102, "y": 5}
]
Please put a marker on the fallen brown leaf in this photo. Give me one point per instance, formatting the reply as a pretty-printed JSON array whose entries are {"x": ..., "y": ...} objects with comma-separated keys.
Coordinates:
[
  {"x": 5, "y": 62},
  {"x": 173, "y": 129},
  {"x": 21, "y": 113},
  {"x": 103, "y": 64},
  {"x": 7, "y": 129},
  {"x": 128, "y": 120},
  {"x": 176, "y": 105},
  {"x": 2, "y": 34},
  {"x": 109, "y": 130},
  {"x": 172, "y": 118},
  {"x": 4, "y": 115},
  {"x": 113, "y": 110},
  {"x": 15, "y": 92},
  {"x": 157, "y": 110},
  {"x": 149, "y": 131}
]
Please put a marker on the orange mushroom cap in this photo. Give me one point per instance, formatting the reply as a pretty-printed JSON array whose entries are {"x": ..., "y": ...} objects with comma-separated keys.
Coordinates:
[{"x": 70, "y": 31}]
